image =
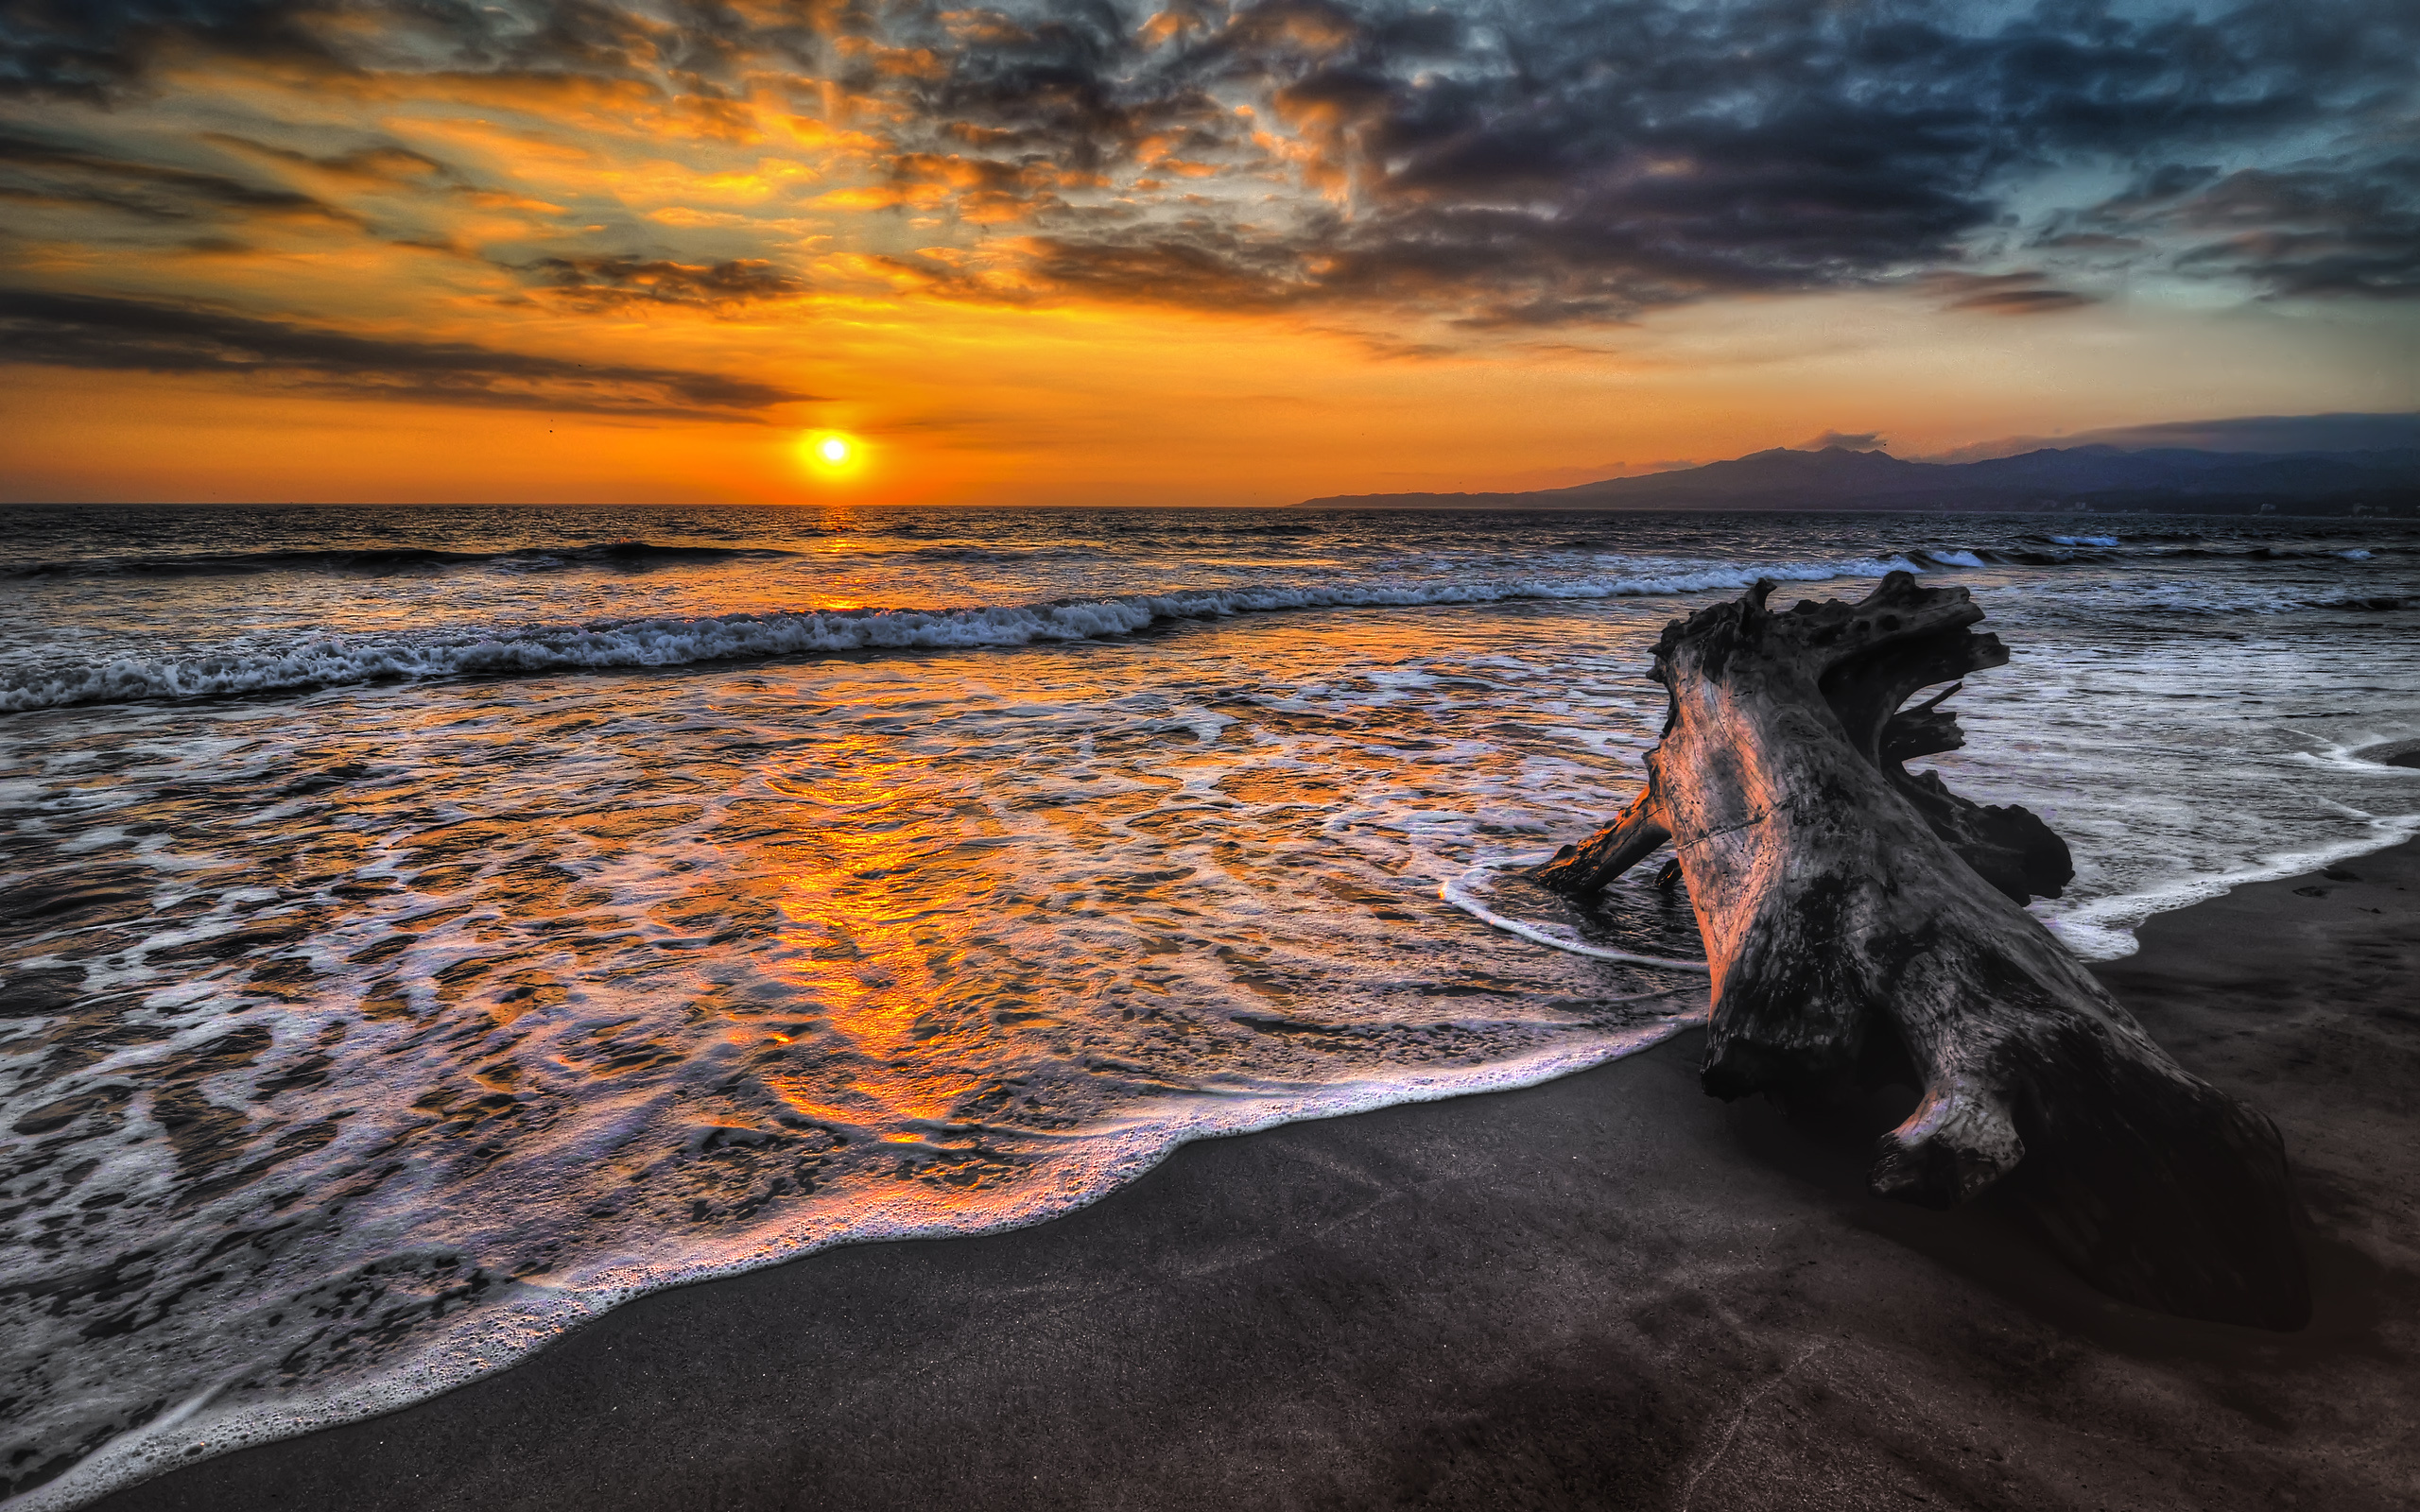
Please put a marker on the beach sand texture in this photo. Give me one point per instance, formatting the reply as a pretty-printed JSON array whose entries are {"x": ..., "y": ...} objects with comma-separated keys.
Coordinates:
[{"x": 1608, "y": 1291}]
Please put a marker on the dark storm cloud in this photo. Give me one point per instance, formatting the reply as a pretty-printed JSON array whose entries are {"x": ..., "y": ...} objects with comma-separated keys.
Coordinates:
[
  {"x": 149, "y": 336},
  {"x": 1535, "y": 163}
]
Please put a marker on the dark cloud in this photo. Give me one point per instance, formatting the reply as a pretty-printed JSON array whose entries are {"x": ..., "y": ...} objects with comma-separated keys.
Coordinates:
[
  {"x": 149, "y": 336},
  {"x": 2331, "y": 231},
  {"x": 1591, "y": 159},
  {"x": 37, "y": 171},
  {"x": 1550, "y": 161},
  {"x": 1199, "y": 262},
  {"x": 2341, "y": 432},
  {"x": 382, "y": 163},
  {"x": 2020, "y": 293},
  {"x": 98, "y": 49},
  {"x": 2023, "y": 302},
  {"x": 610, "y": 283}
]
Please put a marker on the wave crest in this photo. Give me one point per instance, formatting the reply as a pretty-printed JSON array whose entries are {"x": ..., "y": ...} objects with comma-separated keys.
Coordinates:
[{"x": 659, "y": 643}]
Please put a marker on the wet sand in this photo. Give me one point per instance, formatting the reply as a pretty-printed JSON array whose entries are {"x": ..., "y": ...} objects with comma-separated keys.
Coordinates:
[{"x": 1609, "y": 1291}]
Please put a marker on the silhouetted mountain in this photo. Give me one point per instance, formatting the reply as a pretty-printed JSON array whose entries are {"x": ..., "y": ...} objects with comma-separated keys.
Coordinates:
[{"x": 2052, "y": 478}]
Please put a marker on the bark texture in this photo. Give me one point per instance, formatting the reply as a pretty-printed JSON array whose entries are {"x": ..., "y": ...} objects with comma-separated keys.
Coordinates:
[{"x": 1865, "y": 926}]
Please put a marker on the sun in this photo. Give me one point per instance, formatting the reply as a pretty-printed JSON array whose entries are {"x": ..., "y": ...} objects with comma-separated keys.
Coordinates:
[{"x": 831, "y": 452}]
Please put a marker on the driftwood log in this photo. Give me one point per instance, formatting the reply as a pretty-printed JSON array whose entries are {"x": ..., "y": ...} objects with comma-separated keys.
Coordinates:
[{"x": 1866, "y": 927}]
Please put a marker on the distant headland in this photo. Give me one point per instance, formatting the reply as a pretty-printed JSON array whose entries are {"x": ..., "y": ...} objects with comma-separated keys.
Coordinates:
[{"x": 2107, "y": 475}]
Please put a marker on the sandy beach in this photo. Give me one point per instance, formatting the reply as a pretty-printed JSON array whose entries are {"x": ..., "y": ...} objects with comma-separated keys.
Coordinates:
[{"x": 1607, "y": 1290}]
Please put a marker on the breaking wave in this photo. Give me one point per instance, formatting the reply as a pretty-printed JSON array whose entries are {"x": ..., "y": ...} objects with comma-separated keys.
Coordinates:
[{"x": 337, "y": 660}]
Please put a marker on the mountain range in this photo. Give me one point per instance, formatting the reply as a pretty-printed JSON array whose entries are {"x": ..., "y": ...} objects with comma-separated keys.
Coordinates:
[{"x": 2163, "y": 479}]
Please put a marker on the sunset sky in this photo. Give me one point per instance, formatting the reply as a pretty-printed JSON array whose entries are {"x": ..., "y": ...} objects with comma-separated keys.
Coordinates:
[{"x": 1100, "y": 253}]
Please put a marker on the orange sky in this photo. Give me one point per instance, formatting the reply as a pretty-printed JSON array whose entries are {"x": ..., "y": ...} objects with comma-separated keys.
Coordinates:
[{"x": 316, "y": 272}]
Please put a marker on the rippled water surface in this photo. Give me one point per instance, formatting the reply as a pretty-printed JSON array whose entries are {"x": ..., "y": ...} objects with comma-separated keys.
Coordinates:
[{"x": 425, "y": 928}]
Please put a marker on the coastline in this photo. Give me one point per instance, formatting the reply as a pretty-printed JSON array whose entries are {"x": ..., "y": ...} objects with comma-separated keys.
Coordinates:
[{"x": 1607, "y": 1290}]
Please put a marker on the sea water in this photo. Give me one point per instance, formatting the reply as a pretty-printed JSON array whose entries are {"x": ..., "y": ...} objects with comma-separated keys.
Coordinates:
[{"x": 424, "y": 928}]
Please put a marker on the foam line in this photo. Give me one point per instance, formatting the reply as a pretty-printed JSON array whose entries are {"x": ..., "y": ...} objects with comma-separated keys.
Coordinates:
[
  {"x": 2103, "y": 929},
  {"x": 1455, "y": 892},
  {"x": 337, "y": 660},
  {"x": 530, "y": 1317},
  {"x": 324, "y": 661}
]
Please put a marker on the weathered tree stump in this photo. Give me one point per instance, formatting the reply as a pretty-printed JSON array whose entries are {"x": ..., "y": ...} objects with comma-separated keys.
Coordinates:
[{"x": 1865, "y": 926}]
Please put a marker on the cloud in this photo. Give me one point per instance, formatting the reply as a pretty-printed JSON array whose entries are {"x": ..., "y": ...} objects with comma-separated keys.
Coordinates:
[
  {"x": 44, "y": 172},
  {"x": 2346, "y": 224},
  {"x": 2023, "y": 302},
  {"x": 150, "y": 336},
  {"x": 2341, "y": 432},
  {"x": 1846, "y": 440},
  {"x": 377, "y": 165},
  {"x": 1588, "y": 161},
  {"x": 1552, "y": 162},
  {"x": 2019, "y": 293},
  {"x": 100, "y": 50},
  {"x": 616, "y": 283},
  {"x": 2309, "y": 231}
]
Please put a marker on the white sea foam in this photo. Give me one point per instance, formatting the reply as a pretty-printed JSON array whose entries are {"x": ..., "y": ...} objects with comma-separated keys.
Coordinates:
[
  {"x": 512, "y": 1328},
  {"x": 1456, "y": 891},
  {"x": 2103, "y": 929},
  {"x": 336, "y": 661}
]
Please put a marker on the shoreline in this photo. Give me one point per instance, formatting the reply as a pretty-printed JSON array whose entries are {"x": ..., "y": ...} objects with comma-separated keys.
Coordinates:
[
  {"x": 2125, "y": 916},
  {"x": 1605, "y": 1290}
]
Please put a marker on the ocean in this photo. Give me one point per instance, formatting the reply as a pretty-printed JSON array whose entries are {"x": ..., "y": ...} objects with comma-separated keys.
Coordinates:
[{"x": 425, "y": 928}]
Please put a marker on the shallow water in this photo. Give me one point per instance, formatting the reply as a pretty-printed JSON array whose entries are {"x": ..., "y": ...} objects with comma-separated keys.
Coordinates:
[{"x": 425, "y": 928}]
